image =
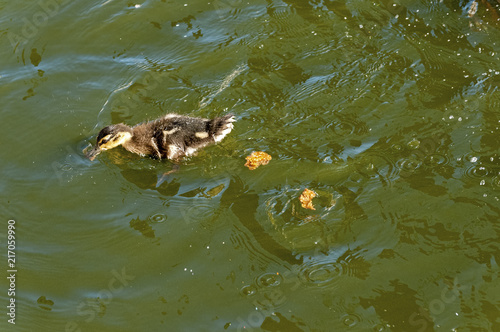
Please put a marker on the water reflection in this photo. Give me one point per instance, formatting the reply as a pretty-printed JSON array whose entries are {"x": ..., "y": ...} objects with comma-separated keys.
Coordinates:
[
  {"x": 388, "y": 110},
  {"x": 393, "y": 305},
  {"x": 244, "y": 205},
  {"x": 144, "y": 227}
]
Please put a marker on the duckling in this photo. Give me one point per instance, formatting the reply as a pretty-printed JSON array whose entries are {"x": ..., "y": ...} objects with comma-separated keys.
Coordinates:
[{"x": 172, "y": 136}]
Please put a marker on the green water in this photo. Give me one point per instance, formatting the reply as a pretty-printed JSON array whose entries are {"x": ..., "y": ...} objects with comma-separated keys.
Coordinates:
[{"x": 388, "y": 110}]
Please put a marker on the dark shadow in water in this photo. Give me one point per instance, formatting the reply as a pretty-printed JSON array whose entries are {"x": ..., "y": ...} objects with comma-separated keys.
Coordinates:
[
  {"x": 426, "y": 185},
  {"x": 244, "y": 205},
  {"x": 352, "y": 209},
  {"x": 282, "y": 324},
  {"x": 482, "y": 254},
  {"x": 145, "y": 179},
  {"x": 354, "y": 264},
  {"x": 399, "y": 308},
  {"x": 143, "y": 226},
  {"x": 492, "y": 313}
]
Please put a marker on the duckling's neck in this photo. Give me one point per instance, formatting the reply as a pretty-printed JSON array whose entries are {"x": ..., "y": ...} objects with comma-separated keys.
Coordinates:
[{"x": 141, "y": 141}]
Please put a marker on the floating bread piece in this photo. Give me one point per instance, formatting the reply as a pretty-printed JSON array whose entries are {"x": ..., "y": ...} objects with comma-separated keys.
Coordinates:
[
  {"x": 306, "y": 199},
  {"x": 256, "y": 159}
]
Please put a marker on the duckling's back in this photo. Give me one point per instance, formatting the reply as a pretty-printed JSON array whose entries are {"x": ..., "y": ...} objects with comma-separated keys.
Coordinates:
[{"x": 176, "y": 136}]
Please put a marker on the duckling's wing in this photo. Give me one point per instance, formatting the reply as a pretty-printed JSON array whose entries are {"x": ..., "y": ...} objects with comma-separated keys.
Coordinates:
[
  {"x": 199, "y": 133},
  {"x": 168, "y": 144},
  {"x": 182, "y": 136},
  {"x": 165, "y": 148}
]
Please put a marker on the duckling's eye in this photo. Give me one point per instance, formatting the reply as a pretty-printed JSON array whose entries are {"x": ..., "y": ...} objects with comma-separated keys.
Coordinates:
[{"x": 105, "y": 140}]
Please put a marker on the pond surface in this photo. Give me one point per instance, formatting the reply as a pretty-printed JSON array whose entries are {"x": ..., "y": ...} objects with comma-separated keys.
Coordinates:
[{"x": 388, "y": 110}]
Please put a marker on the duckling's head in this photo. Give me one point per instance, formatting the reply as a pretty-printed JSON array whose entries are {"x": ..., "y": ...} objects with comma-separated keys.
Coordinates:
[{"x": 110, "y": 137}]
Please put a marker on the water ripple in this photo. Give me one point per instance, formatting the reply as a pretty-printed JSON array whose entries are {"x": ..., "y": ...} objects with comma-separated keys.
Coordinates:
[
  {"x": 284, "y": 208},
  {"x": 285, "y": 21},
  {"x": 320, "y": 274},
  {"x": 248, "y": 290},
  {"x": 350, "y": 320},
  {"x": 269, "y": 280},
  {"x": 477, "y": 172},
  {"x": 347, "y": 124},
  {"x": 196, "y": 212},
  {"x": 408, "y": 166},
  {"x": 495, "y": 181},
  {"x": 437, "y": 159},
  {"x": 158, "y": 218},
  {"x": 379, "y": 166}
]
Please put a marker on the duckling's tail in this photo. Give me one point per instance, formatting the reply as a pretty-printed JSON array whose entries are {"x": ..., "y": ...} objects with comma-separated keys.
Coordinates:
[{"x": 220, "y": 127}]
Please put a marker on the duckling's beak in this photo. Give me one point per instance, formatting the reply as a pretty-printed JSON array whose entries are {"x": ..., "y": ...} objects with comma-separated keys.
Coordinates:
[{"x": 92, "y": 153}]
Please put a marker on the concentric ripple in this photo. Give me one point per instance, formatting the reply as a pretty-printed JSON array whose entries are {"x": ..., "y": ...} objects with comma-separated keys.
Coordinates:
[
  {"x": 408, "y": 166},
  {"x": 196, "y": 212},
  {"x": 248, "y": 290},
  {"x": 269, "y": 280},
  {"x": 437, "y": 159},
  {"x": 477, "y": 172},
  {"x": 346, "y": 125},
  {"x": 378, "y": 166},
  {"x": 66, "y": 168},
  {"x": 299, "y": 228},
  {"x": 344, "y": 128},
  {"x": 320, "y": 274},
  {"x": 158, "y": 218},
  {"x": 350, "y": 320},
  {"x": 495, "y": 181},
  {"x": 284, "y": 208}
]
